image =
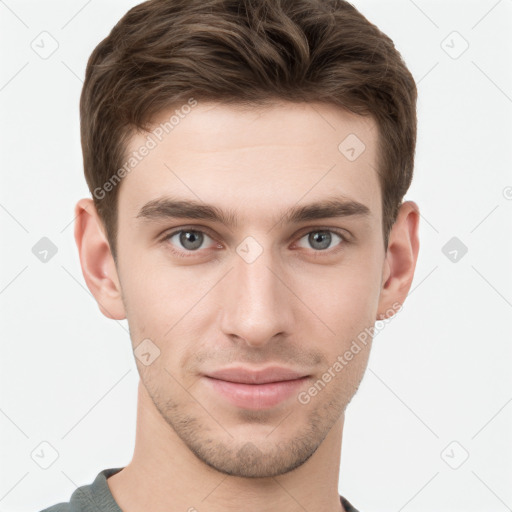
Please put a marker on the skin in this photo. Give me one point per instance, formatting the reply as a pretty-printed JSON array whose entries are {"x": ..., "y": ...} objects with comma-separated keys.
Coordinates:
[{"x": 295, "y": 305}]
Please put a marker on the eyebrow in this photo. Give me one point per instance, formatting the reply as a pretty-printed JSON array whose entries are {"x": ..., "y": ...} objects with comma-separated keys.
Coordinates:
[{"x": 170, "y": 208}]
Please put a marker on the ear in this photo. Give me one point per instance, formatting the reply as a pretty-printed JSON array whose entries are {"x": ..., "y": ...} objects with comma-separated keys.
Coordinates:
[
  {"x": 98, "y": 266},
  {"x": 400, "y": 262}
]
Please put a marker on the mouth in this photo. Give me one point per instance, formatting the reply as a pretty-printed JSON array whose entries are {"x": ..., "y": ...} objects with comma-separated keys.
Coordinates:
[{"x": 255, "y": 389}]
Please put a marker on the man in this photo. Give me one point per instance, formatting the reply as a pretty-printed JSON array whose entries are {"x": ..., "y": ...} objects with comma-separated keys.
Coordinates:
[{"x": 248, "y": 162}]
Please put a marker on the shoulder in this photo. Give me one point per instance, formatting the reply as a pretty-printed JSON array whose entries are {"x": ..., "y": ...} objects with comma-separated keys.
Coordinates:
[
  {"x": 60, "y": 507},
  {"x": 90, "y": 498}
]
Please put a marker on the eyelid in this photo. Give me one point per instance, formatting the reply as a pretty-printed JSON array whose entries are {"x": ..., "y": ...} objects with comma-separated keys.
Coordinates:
[
  {"x": 199, "y": 229},
  {"x": 345, "y": 239},
  {"x": 182, "y": 253},
  {"x": 343, "y": 233}
]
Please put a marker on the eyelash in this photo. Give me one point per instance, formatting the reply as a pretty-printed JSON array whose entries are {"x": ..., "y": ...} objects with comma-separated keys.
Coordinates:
[{"x": 189, "y": 254}]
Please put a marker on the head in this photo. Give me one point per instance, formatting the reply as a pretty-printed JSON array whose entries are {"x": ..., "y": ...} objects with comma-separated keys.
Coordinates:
[{"x": 248, "y": 162}]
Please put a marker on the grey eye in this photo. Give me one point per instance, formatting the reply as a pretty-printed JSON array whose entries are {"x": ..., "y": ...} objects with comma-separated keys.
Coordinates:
[
  {"x": 189, "y": 239},
  {"x": 320, "y": 239}
]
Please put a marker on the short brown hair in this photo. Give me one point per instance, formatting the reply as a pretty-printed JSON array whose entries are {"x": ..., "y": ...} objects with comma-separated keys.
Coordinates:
[{"x": 163, "y": 52}]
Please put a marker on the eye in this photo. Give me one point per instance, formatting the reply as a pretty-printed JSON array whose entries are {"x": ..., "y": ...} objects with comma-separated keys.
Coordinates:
[
  {"x": 186, "y": 240},
  {"x": 321, "y": 239}
]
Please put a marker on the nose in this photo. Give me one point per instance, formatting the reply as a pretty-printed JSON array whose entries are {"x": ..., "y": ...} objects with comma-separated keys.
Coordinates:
[{"x": 257, "y": 304}]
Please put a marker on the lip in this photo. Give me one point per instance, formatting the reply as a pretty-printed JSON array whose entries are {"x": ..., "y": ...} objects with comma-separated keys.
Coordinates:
[
  {"x": 255, "y": 389},
  {"x": 252, "y": 376}
]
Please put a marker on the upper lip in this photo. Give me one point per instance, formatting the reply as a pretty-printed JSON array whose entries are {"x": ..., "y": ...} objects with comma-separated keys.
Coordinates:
[{"x": 252, "y": 376}]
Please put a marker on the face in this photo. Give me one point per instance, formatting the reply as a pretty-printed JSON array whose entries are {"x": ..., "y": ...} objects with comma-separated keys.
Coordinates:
[{"x": 269, "y": 281}]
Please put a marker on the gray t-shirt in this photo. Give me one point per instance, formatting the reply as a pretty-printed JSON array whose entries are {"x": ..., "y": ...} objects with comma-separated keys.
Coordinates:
[{"x": 96, "y": 497}]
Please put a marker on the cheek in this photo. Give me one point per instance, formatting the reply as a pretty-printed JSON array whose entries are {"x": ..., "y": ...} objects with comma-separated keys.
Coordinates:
[
  {"x": 148, "y": 299},
  {"x": 346, "y": 298},
  {"x": 167, "y": 306},
  {"x": 346, "y": 304}
]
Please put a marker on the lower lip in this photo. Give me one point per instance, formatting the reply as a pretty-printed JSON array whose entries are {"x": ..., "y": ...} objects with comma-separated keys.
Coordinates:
[{"x": 256, "y": 396}]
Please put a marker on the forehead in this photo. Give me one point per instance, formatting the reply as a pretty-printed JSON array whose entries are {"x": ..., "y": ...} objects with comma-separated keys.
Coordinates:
[{"x": 254, "y": 159}]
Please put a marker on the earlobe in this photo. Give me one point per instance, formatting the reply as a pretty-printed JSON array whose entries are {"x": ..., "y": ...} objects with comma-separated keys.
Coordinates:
[
  {"x": 401, "y": 257},
  {"x": 98, "y": 266}
]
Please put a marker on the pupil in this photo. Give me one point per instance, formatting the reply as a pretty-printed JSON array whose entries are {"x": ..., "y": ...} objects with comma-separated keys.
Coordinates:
[
  {"x": 322, "y": 237},
  {"x": 191, "y": 237}
]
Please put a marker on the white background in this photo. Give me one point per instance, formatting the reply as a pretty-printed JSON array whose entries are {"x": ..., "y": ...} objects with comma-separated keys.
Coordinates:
[{"x": 440, "y": 372}]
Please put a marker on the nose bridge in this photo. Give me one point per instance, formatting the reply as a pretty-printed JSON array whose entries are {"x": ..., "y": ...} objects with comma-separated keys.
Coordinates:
[{"x": 256, "y": 304}]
